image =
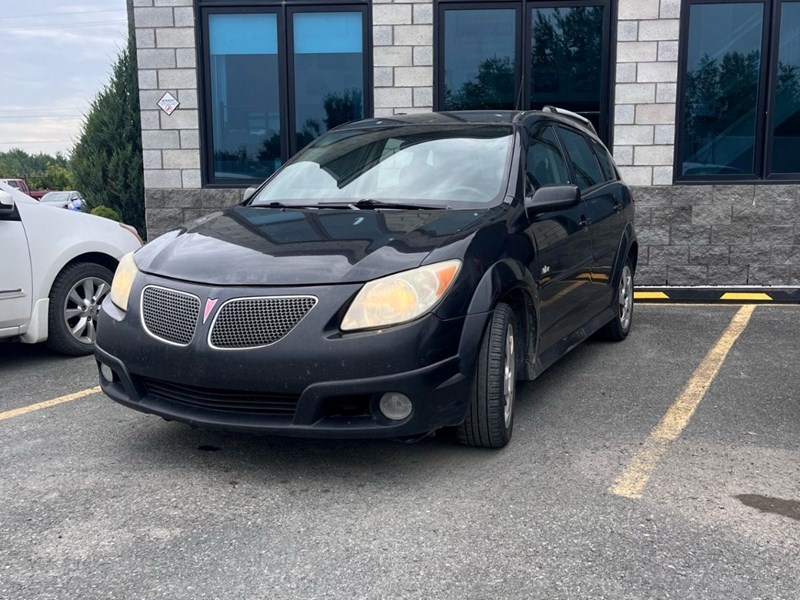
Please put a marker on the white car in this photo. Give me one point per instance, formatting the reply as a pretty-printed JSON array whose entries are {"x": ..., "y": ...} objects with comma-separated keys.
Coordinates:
[{"x": 57, "y": 267}]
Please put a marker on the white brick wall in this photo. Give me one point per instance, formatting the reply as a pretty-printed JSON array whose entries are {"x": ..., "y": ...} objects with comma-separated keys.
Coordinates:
[
  {"x": 645, "y": 94},
  {"x": 165, "y": 37},
  {"x": 402, "y": 37}
]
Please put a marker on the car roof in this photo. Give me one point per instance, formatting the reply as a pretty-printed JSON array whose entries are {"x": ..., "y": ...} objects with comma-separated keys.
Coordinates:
[{"x": 471, "y": 117}]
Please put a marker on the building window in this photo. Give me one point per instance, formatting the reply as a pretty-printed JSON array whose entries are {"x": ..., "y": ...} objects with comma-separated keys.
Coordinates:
[
  {"x": 328, "y": 72},
  {"x": 527, "y": 54},
  {"x": 479, "y": 74},
  {"x": 739, "y": 115},
  {"x": 275, "y": 77}
]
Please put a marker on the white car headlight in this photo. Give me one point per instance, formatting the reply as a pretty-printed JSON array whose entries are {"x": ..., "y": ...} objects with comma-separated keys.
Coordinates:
[
  {"x": 123, "y": 281},
  {"x": 400, "y": 298}
]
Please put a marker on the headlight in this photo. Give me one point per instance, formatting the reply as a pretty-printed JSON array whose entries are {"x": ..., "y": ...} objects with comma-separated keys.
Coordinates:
[
  {"x": 400, "y": 298},
  {"x": 123, "y": 281}
]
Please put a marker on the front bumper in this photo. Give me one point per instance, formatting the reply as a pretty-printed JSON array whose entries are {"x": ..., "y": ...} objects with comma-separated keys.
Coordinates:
[{"x": 315, "y": 382}]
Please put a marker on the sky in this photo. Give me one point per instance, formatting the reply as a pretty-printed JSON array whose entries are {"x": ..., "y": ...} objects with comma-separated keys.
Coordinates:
[{"x": 55, "y": 55}]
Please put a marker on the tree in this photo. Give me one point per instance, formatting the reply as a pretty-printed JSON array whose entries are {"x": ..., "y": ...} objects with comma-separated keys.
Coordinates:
[
  {"x": 107, "y": 160},
  {"x": 42, "y": 171}
]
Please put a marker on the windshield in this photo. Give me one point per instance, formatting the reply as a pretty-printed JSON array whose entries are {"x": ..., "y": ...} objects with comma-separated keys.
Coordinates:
[
  {"x": 413, "y": 164},
  {"x": 55, "y": 197}
]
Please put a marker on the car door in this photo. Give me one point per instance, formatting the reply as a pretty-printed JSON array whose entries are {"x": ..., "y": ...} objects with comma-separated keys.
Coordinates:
[
  {"x": 608, "y": 222},
  {"x": 15, "y": 273},
  {"x": 562, "y": 240},
  {"x": 599, "y": 201}
]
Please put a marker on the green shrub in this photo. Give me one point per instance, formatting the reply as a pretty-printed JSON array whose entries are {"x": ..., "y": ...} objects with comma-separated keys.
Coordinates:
[{"x": 108, "y": 213}]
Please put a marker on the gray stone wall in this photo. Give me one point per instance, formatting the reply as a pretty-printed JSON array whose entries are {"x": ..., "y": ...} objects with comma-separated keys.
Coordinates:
[{"x": 718, "y": 235}]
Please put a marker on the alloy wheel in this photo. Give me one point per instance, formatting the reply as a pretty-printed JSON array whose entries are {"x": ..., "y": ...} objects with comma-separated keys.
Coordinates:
[
  {"x": 82, "y": 307},
  {"x": 509, "y": 377},
  {"x": 626, "y": 298}
]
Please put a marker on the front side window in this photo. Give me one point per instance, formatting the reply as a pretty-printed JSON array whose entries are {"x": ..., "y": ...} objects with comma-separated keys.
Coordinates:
[
  {"x": 740, "y": 80},
  {"x": 545, "y": 165},
  {"x": 275, "y": 79},
  {"x": 584, "y": 164},
  {"x": 431, "y": 165}
]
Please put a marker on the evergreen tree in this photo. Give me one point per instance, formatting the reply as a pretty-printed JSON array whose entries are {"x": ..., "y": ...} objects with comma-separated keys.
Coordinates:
[{"x": 107, "y": 160}]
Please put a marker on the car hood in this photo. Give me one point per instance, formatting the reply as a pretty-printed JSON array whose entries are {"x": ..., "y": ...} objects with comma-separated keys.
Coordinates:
[{"x": 273, "y": 246}]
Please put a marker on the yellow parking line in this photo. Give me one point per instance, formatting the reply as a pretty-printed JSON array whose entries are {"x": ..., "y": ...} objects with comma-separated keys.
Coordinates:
[
  {"x": 635, "y": 477},
  {"x": 10, "y": 414},
  {"x": 759, "y": 296}
]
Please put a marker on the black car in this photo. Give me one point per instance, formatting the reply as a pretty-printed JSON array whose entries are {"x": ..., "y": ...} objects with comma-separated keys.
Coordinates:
[{"x": 399, "y": 275}]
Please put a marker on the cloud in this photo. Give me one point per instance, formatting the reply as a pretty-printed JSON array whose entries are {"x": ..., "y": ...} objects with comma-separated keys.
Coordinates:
[{"x": 54, "y": 67}]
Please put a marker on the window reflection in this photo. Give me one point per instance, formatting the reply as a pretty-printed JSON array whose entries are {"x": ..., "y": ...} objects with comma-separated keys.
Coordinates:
[
  {"x": 566, "y": 59},
  {"x": 786, "y": 123},
  {"x": 245, "y": 108},
  {"x": 721, "y": 88},
  {"x": 479, "y": 59},
  {"x": 328, "y": 72}
]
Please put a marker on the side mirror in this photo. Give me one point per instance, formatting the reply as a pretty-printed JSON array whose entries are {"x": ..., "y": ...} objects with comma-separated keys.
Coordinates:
[
  {"x": 554, "y": 197},
  {"x": 6, "y": 201},
  {"x": 249, "y": 193}
]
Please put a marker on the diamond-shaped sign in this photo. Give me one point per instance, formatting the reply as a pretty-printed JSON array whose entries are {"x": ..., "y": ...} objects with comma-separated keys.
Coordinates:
[{"x": 168, "y": 103}]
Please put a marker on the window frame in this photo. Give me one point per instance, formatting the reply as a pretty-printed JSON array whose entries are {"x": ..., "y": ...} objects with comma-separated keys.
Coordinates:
[
  {"x": 523, "y": 47},
  {"x": 765, "y": 105},
  {"x": 284, "y": 11}
]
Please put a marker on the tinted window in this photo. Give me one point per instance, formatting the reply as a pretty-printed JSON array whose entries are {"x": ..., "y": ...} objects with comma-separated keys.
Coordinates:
[
  {"x": 479, "y": 59},
  {"x": 723, "y": 64},
  {"x": 786, "y": 117},
  {"x": 609, "y": 173},
  {"x": 587, "y": 171},
  {"x": 566, "y": 59},
  {"x": 328, "y": 72},
  {"x": 245, "y": 108},
  {"x": 545, "y": 164}
]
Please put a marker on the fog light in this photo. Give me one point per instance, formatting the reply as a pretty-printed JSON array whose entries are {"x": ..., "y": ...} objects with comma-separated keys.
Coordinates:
[
  {"x": 107, "y": 373},
  {"x": 395, "y": 406}
]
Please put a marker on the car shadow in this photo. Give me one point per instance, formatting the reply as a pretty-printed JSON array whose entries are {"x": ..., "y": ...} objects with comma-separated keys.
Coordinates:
[{"x": 180, "y": 447}]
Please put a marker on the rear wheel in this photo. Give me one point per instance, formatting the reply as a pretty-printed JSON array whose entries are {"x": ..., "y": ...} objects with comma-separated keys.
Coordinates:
[
  {"x": 490, "y": 417},
  {"x": 75, "y": 301},
  {"x": 618, "y": 328}
]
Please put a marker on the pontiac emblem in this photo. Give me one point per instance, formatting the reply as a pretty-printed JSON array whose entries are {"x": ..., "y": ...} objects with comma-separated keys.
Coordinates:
[{"x": 210, "y": 304}]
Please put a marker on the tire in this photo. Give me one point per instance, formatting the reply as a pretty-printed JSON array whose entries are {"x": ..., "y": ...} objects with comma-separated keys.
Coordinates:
[
  {"x": 488, "y": 423},
  {"x": 617, "y": 329},
  {"x": 75, "y": 301}
]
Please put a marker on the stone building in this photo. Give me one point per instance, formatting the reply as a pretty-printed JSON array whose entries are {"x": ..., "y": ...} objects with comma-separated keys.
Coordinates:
[{"x": 699, "y": 100}]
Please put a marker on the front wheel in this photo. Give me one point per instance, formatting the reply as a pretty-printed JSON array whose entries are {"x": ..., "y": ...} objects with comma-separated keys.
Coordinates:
[
  {"x": 75, "y": 301},
  {"x": 490, "y": 417},
  {"x": 618, "y": 328}
]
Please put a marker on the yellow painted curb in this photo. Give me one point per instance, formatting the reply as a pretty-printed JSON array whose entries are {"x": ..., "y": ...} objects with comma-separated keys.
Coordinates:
[{"x": 750, "y": 296}]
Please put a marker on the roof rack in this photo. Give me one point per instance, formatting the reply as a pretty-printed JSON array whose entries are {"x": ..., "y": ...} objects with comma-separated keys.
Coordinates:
[{"x": 571, "y": 115}]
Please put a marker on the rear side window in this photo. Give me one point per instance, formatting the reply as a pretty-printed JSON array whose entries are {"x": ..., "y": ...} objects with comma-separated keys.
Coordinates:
[
  {"x": 605, "y": 162},
  {"x": 587, "y": 171},
  {"x": 545, "y": 164}
]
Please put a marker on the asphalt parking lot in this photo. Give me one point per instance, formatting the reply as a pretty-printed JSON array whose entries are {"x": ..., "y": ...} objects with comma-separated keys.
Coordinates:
[{"x": 592, "y": 499}]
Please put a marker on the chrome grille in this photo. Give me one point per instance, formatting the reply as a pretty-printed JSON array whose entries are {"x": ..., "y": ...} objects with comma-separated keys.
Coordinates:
[
  {"x": 253, "y": 322},
  {"x": 169, "y": 315}
]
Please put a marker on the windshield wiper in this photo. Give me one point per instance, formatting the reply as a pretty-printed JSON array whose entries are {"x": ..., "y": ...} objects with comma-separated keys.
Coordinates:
[
  {"x": 282, "y": 205},
  {"x": 370, "y": 203}
]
